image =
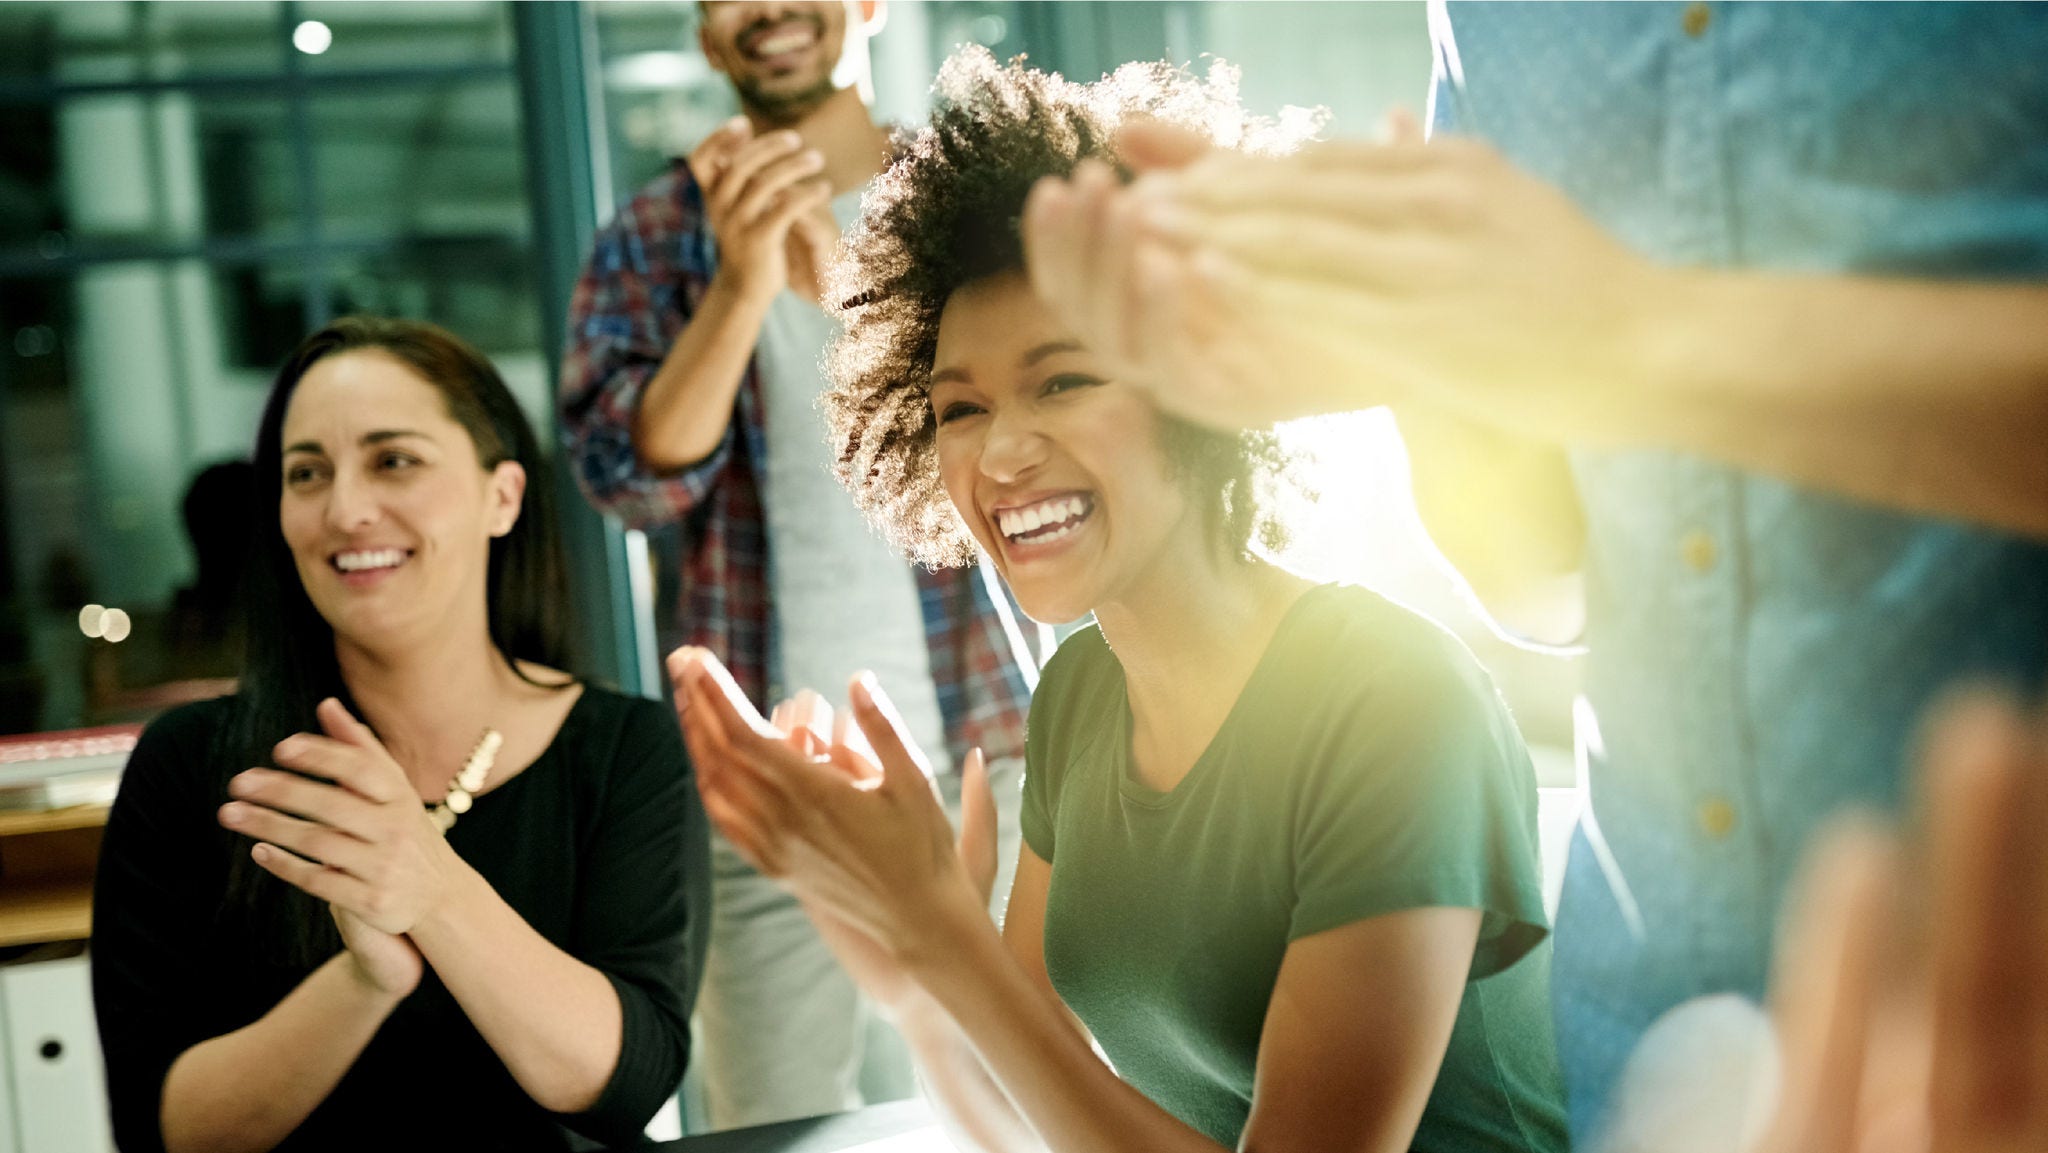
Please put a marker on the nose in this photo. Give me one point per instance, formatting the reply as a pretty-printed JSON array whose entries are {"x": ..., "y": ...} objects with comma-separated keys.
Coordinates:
[
  {"x": 1013, "y": 448},
  {"x": 351, "y": 505}
]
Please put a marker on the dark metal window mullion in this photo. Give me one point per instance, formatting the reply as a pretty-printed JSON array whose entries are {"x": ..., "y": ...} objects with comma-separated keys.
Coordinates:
[
  {"x": 315, "y": 294},
  {"x": 562, "y": 113}
]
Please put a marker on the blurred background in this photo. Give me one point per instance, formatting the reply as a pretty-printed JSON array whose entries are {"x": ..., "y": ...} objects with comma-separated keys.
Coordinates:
[{"x": 188, "y": 188}]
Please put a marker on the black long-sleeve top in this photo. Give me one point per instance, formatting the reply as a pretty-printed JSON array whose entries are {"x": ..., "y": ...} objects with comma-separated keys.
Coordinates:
[{"x": 601, "y": 845}]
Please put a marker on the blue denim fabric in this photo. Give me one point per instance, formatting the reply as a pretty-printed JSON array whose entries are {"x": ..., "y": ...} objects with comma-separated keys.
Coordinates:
[{"x": 1759, "y": 653}]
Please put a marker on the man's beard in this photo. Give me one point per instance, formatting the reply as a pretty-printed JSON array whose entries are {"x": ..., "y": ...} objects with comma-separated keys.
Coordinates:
[{"x": 785, "y": 108}]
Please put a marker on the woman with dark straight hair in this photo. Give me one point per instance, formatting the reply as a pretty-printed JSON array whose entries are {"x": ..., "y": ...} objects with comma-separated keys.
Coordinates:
[{"x": 413, "y": 869}]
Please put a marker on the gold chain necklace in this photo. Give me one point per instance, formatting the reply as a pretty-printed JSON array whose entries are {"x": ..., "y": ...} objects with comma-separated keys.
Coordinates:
[{"x": 467, "y": 783}]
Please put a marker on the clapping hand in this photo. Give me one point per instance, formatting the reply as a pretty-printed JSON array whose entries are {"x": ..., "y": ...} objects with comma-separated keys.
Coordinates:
[
  {"x": 1246, "y": 289},
  {"x": 765, "y": 199},
  {"x": 852, "y": 823},
  {"x": 1912, "y": 987},
  {"x": 346, "y": 826}
]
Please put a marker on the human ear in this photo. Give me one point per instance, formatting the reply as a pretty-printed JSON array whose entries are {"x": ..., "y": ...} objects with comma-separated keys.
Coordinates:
[{"x": 508, "y": 495}]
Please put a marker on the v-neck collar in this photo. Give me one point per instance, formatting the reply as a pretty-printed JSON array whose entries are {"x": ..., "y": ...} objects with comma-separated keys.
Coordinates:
[{"x": 1139, "y": 793}]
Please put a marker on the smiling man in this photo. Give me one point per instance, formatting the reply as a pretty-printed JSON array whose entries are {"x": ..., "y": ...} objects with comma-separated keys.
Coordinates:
[{"x": 690, "y": 399}]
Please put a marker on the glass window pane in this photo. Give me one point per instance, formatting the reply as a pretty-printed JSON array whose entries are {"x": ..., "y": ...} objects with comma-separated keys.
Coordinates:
[
  {"x": 259, "y": 316},
  {"x": 1357, "y": 60},
  {"x": 359, "y": 34},
  {"x": 423, "y": 193},
  {"x": 479, "y": 288},
  {"x": 142, "y": 169},
  {"x": 115, "y": 393},
  {"x": 439, "y": 161},
  {"x": 660, "y": 96},
  {"x": 111, "y": 43}
]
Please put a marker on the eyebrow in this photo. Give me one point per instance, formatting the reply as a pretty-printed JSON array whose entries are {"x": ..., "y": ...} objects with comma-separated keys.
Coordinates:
[
  {"x": 377, "y": 437},
  {"x": 1050, "y": 348}
]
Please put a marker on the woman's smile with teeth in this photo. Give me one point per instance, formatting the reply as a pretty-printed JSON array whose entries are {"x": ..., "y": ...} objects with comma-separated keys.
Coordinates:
[
  {"x": 362, "y": 560},
  {"x": 1045, "y": 520}
]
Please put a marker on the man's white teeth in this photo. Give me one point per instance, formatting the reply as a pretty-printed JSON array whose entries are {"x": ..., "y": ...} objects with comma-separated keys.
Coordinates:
[
  {"x": 1064, "y": 512},
  {"x": 782, "y": 42},
  {"x": 359, "y": 561}
]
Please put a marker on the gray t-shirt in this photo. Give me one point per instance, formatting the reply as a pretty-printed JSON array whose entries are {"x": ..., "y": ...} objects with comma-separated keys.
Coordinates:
[{"x": 843, "y": 599}]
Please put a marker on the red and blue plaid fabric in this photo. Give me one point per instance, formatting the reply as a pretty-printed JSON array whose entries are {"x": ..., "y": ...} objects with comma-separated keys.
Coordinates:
[{"x": 647, "y": 274}]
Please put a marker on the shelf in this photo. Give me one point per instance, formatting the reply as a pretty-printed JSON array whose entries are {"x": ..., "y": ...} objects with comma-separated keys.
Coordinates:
[
  {"x": 14, "y": 824},
  {"x": 57, "y": 910}
]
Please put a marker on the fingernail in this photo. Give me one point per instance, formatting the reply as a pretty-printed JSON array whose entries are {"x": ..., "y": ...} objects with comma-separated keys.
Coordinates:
[
  {"x": 735, "y": 124},
  {"x": 790, "y": 139},
  {"x": 231, "y": 814}
]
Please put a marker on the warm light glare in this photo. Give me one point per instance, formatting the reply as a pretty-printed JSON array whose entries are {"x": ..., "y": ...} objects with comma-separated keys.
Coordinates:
[
  {"x": 114, "y": 626},
  {"x": 312, "y": 37},
  {"x": 92, "y": 619}
]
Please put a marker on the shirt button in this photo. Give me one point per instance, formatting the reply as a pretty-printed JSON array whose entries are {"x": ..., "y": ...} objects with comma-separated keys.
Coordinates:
[
  {"x": 1699, "y": 550},
  {"x": 1697, "y": 17},
  {"x": 1717, "y": 818}
]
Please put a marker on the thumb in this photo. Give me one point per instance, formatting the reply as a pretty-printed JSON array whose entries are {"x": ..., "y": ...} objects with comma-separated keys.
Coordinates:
[
  {"x": 976, "y": 845},
  {"x": 1146, "y": 144}
]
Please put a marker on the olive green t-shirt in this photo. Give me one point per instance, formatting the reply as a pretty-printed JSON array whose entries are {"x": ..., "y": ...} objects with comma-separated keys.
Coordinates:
[{"x": 1368, "y": 766}]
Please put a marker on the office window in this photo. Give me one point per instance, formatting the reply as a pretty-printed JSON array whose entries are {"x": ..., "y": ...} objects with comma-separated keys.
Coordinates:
[{"x": 185, "y": 191}]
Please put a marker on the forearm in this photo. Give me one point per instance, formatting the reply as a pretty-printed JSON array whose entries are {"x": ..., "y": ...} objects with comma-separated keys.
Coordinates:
[
  {"x": 973, "y": 1110},
  {"x": 1074, "y": 1102},
  {"x": 1927, "y": 397},
  {"x": 247, "y": 1090},
  {"x": 687, "y": 406},
  {"x": 554, "y": 1021}
]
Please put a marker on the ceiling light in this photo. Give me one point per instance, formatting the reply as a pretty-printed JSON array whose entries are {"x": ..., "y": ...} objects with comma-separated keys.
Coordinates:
[{"x": 312, "y": 37}]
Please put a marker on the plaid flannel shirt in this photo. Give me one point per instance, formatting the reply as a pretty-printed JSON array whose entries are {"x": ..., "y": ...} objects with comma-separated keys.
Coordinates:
[{"x": 647, "y": 275}]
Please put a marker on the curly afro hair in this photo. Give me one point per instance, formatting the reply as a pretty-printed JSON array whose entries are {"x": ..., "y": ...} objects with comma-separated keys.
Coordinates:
[{"x": 946, "y": 214}]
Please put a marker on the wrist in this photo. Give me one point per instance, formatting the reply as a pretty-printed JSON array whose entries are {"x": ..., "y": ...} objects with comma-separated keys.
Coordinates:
[
  {"x": 447, "y": 900},
  {"x": 360, "y": 982},
  {"x": 916, "y": 1014},
  {"x": 952, "y": 930},
  {"x": 1683, "y": 350},
  {"x": 733, "y": 289}
]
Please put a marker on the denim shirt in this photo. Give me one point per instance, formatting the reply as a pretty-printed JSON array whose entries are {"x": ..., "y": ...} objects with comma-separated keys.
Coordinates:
[{"x": 1759, "y": 654}]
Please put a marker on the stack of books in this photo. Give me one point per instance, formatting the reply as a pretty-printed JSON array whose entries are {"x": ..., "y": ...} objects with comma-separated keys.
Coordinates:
[{"x": 58, "y": 770}]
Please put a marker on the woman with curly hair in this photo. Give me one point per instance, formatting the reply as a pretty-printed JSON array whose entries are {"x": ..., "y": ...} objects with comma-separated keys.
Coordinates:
[{"x": 1280, "y": 838}]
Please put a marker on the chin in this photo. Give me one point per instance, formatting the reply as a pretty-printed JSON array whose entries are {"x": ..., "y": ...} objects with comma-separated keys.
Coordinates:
[{"x": 1051, "y": 607}]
